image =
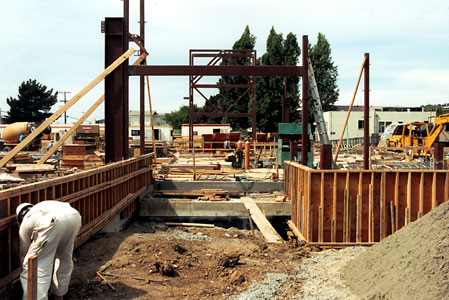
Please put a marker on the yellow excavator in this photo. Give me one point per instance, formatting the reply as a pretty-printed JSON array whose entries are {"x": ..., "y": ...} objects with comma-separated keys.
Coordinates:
[{"x": 414, "y": 134}]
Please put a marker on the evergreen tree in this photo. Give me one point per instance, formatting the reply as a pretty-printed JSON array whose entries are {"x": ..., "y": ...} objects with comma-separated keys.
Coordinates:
[
  {"x": 270, "y": 89},
  {"x": 326, "y": 72},
  {"x": 229, "y": 95},
  {"x": 33, "y": 103}
]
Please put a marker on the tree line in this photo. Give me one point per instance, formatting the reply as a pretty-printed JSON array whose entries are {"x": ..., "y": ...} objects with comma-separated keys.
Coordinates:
[{"x": 270, "y": 89}]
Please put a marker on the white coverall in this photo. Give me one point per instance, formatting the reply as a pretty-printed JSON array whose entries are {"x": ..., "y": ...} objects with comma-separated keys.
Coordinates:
[{"x": 49, "y": 230}]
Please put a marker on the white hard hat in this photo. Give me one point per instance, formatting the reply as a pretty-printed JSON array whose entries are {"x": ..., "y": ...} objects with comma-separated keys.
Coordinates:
[{"x": 20, "y": 210}]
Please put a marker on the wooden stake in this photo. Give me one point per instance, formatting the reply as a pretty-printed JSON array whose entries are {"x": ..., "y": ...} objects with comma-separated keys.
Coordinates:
[
  {"x": 392, "y": 217},
  {"x": 65, "y": 107},
  {"x": 151, "y": 117},
  {"x": 32, "y": 278},
  {"x": 105, "y": 280},
  {"x": 250, "y": 222},
  {"x": 349, "y": 111},
  {"x": 359, "y": 219}
]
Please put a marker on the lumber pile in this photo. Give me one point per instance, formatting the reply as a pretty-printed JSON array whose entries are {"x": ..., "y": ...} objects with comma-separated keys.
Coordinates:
[
  {"x": 203, "y": 194},
  {"x": 81, "y": 156},
  {"x": 30, "y": 168}
]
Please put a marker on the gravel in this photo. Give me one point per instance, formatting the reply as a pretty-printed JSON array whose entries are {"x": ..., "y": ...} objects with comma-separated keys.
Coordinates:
[
  {"x": 266, "y": 290},
  {"x": 182, "y": 235},
  {"x": 321, "y": 275}
]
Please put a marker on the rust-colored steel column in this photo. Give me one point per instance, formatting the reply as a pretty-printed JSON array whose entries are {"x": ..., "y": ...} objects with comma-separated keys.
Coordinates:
[
  {"x": 285, "y": 101},
  {"x": 294, "y": 150},
  {"x": 254, "y": 117},
  {"x": 142, "y": 81},
  {"x": 247, "y": 146},
  {"x": 305, "y": 101},
  {"x": 125, "y": 127},
  {"x": 325, "y": 157},
  {"x": 366, "y": 137},
  {"x": 116, "y": 92},
  {"x": 438, "y": 156}
]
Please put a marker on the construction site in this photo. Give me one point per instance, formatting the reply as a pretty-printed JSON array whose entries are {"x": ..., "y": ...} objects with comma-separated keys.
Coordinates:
[{"x": 301, "y": 213}]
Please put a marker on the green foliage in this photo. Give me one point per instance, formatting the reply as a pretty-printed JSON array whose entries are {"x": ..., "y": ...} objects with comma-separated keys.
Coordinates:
[
  {"x": 326, "y": 72},
  {"x": 438, "y": 108},
  {"x": 270, "y": 89},
  {"x": 33, "y": 103},
  {"x": 229, "y": 95},
  {"x": 181, "y": 116}
]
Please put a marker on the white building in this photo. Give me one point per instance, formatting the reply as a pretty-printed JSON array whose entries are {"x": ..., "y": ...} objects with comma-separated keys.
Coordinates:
[
  {"x": 200, "y": 129},
  {"x": 379, "y": 118},
  {"x": 162, "y": 130}
]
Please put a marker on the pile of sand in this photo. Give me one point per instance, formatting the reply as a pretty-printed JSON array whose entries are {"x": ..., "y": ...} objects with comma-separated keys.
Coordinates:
[{"x": 413, "y": 263}]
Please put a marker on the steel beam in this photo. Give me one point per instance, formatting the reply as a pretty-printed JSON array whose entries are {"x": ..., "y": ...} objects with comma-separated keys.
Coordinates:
[
  {"x": 116, "y": 92},
  {"x": 142, "y": 81},
  {"x": 221, "y": 114},
  {"x": 366, "y": 137},
  {"x": 159, "y": 70},
  {"x": 305, "y": 101}
]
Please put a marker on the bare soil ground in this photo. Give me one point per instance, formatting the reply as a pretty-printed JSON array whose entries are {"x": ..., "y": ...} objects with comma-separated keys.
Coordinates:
[{"x": 158, "y": 262}]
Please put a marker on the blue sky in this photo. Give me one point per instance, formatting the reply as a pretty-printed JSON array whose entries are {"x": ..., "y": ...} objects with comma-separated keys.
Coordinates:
[{"x": 59, "y": 43}]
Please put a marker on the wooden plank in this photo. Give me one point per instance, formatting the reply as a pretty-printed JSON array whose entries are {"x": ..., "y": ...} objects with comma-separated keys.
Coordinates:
[
  {"x": 66, "y": 106},
  {"x": 321, "y": 211},
  {"x": 359, "y": 220},
  {"x": 421, "y": 196},
  {"x": 295, "y": 231},
  {"x": 189, "y": 224},
  {"x": 31, "y": 168},
  {"x": 334, "y": 210},
  {"x": 434, "y": 191},
  {"x": 409, "y": 198},
  {"x": 267, "y": 230},
  {"x": 32, "y": 278},
  {"x": 371, "y": 214}
]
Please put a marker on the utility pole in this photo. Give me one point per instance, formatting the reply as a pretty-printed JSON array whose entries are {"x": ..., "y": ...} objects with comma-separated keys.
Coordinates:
[{"x": 65, "y": 101}]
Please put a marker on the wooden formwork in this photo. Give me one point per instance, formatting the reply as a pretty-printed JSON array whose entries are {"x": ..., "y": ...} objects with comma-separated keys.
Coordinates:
[
  {"x": 348, "y": 207},
  {"x": 98, "y": 194}
]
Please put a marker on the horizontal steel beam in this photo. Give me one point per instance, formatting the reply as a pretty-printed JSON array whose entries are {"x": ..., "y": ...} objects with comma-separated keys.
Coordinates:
[
  {"x": 221, "y": 114},
  {"x": 160, "y": 70},
  {"x": 211, "y": 86}
]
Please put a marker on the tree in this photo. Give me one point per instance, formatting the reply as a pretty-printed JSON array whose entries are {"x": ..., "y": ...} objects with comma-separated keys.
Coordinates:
[
  {"x": 270, "y": 89},
  {"x": 326, "y": 72},
  {"x": 33, "y": 103},
  {"x": 247, "y": 41},
  {"x": 437, "y": 108},
  {"x": 181, "y": 116}
]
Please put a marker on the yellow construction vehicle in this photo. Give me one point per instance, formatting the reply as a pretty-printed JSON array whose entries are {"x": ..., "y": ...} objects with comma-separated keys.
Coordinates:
[
  {"x": 414, "y": 134},
  {"x": 14, "y": 133}
]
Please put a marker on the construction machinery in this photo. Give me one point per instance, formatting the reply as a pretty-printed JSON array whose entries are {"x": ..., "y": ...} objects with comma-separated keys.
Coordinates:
[
  {"x": 14, "y": 133},
  {"x": 414, "y": 134}
]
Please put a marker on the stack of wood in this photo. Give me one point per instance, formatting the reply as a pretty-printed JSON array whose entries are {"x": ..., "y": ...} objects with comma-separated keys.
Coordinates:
[
  {"x": 20, "y": 158},
  {"x": 81, "y": 156},
  {"x": 203, "y": 194}
]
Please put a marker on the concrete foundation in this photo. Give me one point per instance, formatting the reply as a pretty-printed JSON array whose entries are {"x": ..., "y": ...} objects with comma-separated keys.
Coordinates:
[
  {"x": 162, "y": 207},
  {"x": 243, "y": 186}
]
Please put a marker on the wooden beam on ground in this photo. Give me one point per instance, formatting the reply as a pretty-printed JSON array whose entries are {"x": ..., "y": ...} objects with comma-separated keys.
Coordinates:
[
  {"x": 189, "y": 224},
  {"x": 295, "y": 231},
  {"x": 66, "y": 106},
  {"x": 151, "y": 117},
  {"x": 270, "y": 234},
  {"x": 81, "y": 120}
]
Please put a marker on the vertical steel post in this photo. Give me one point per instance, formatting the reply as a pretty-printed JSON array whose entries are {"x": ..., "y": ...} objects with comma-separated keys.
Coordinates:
[
  {"x": 285, "y": 101},
  {"x": 326, "y": 157},
  {"x": 125, "y": 127},
  {"x": 366, "y": 137},
  {"x": 115, "y": 89},
  {"x": 438, "y": 156},
  {"x": 254, "y": 118},
  {"x": 142, "y": 82},
  {"x": 305, "y": 101}
]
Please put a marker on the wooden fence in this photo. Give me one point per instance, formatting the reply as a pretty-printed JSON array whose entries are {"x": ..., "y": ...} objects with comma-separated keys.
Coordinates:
[
  {"x": 98, "y": 194},
  {"x": 360, "y": 207}
]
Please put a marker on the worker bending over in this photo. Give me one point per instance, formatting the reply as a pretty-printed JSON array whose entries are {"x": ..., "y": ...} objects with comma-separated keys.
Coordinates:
[{"x": 48, "y": 230}]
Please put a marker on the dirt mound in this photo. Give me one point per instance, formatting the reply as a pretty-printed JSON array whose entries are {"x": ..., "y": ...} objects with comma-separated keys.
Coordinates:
[{"x": 413, "y": 263}]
